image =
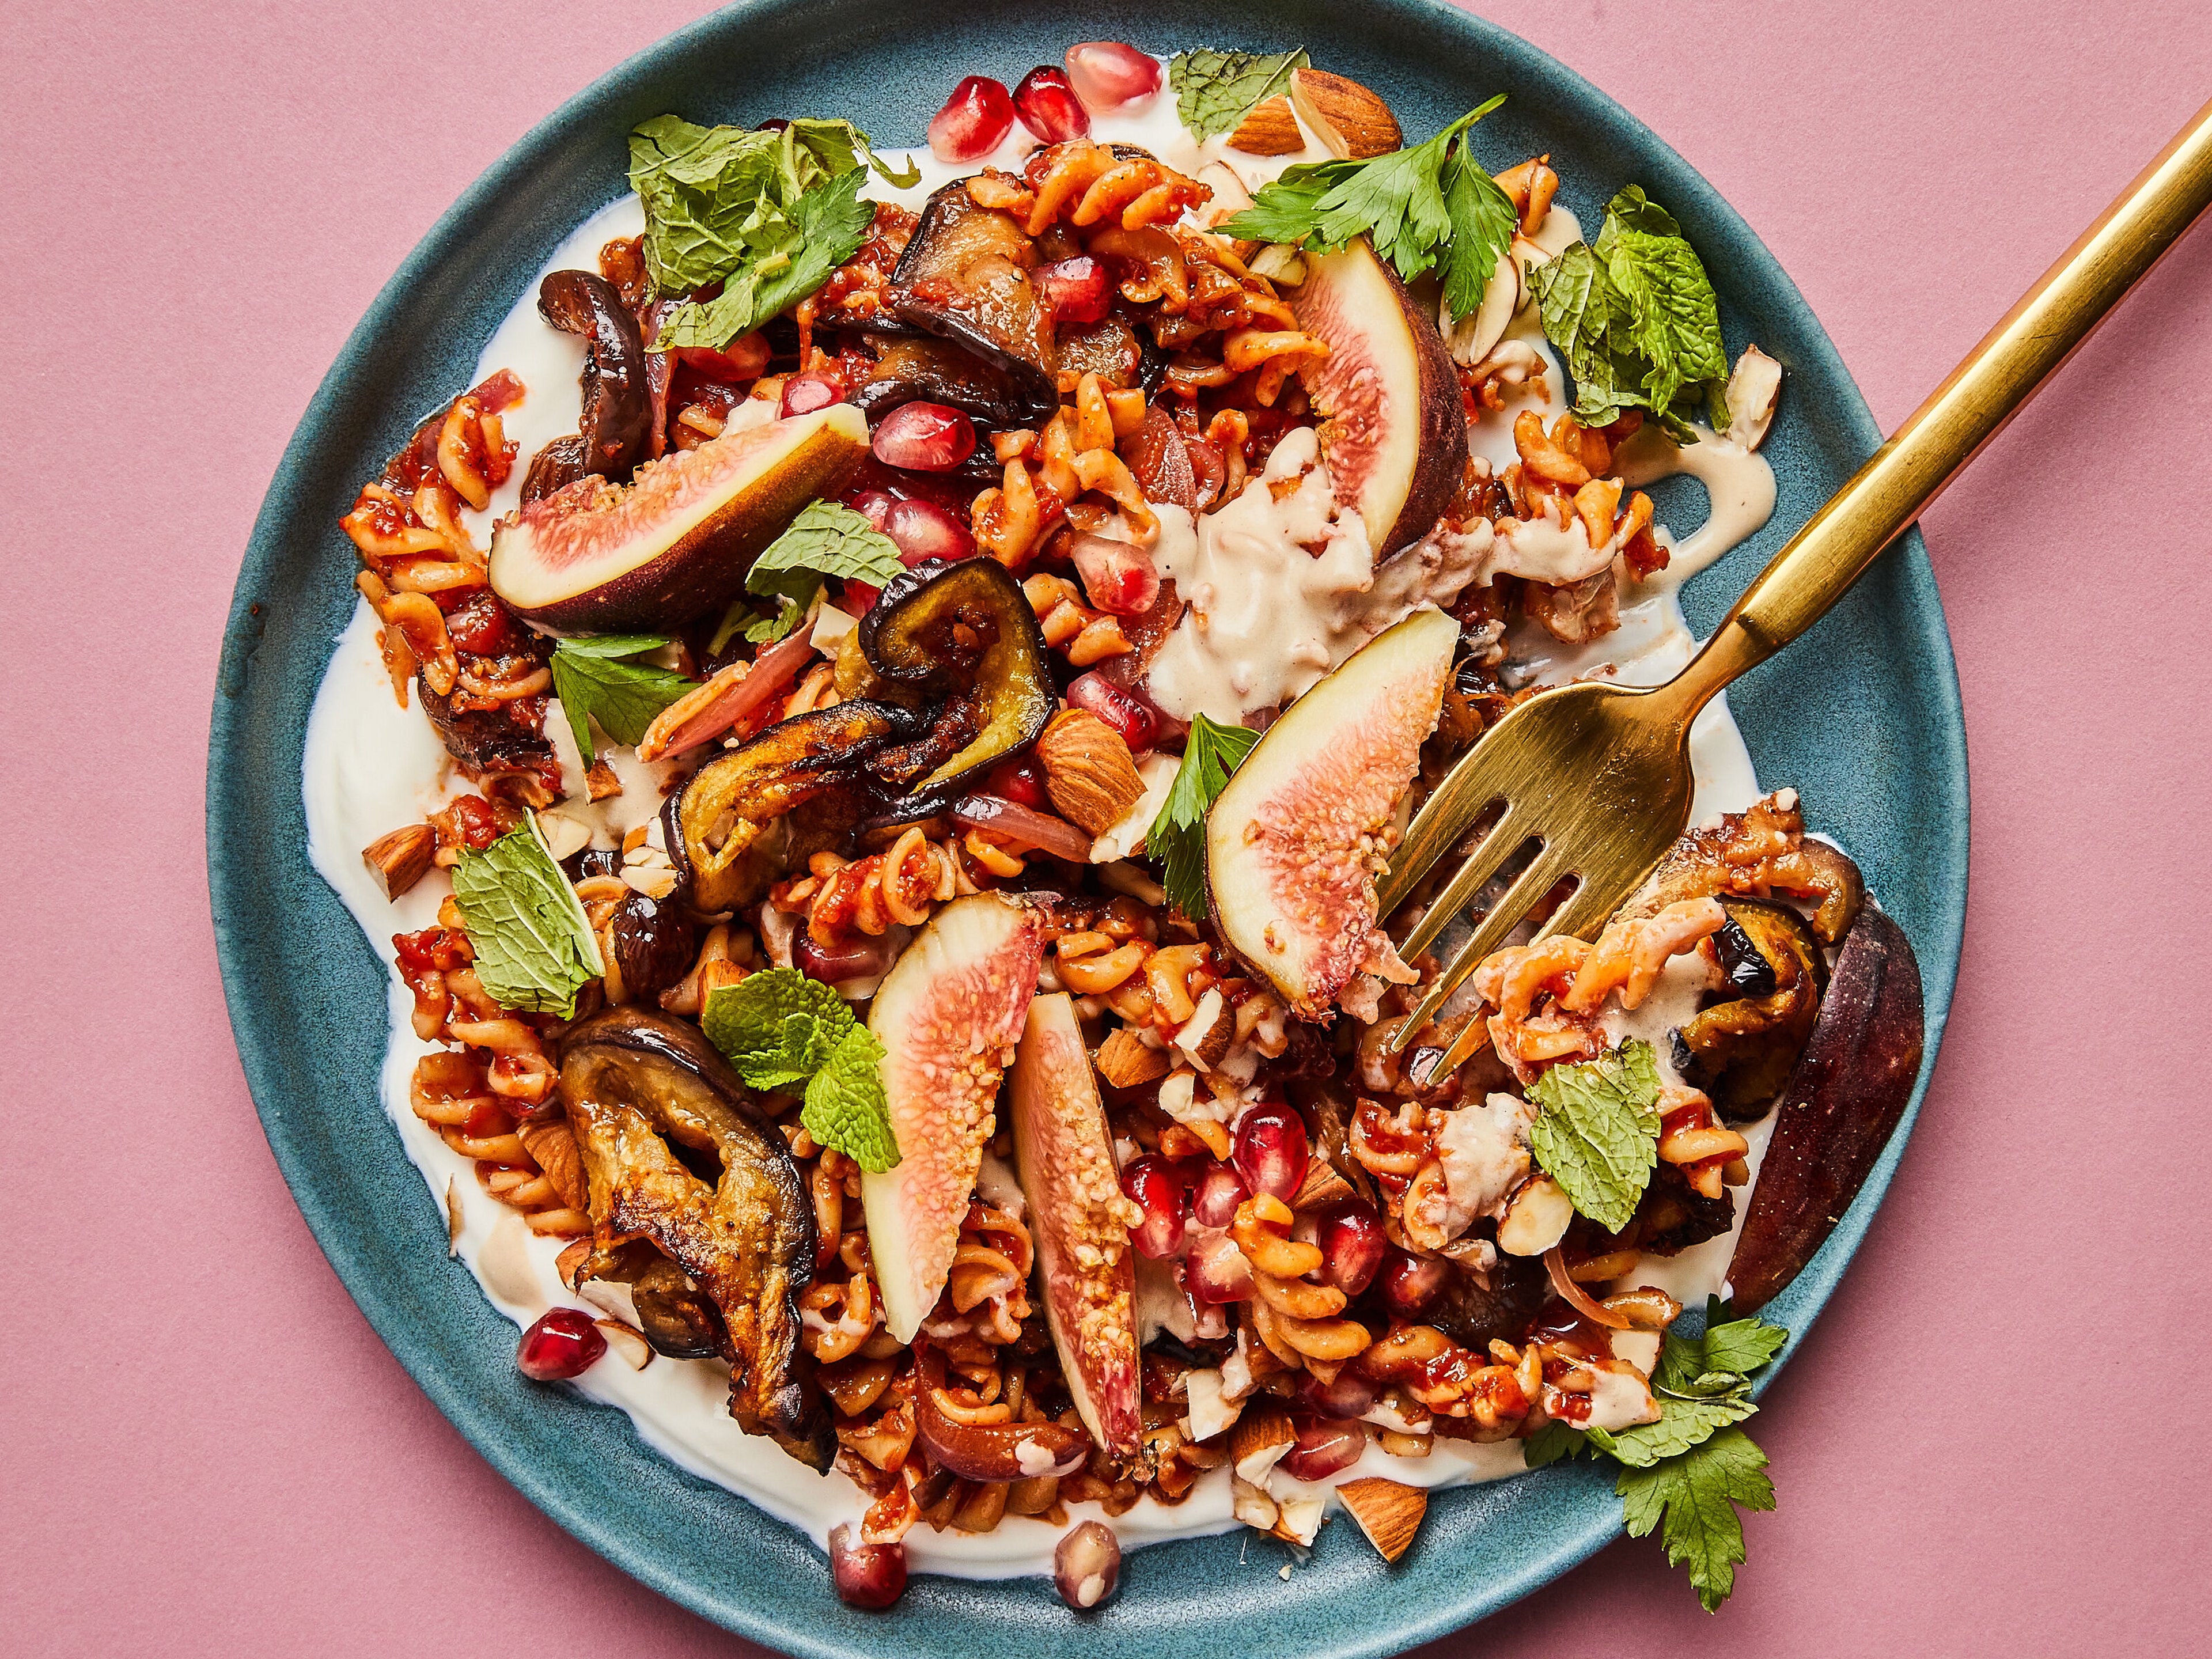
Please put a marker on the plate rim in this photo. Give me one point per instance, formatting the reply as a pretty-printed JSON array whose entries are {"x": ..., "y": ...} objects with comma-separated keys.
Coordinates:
[{"x": 1685, "y": 189}]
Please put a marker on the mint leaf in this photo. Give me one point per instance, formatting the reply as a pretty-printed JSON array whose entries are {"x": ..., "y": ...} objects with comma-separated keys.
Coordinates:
[
  {"x": 1696, "y": 1497},
  {"x": 1429, "y": 204},
  {"x": 791, "y": 254},
  {"x": 828, "y": 539},
  {"x": 846, "y": 1106},
  {"x": 594, "y": 680},
  {"x": 1177, "y": 837},
  {"x": 1636, "y": 317},
  {"x": 534, "y": 946},
  {"x": 779, "y": 1031},
  {"x": 1598, "y": 1134},
  {"x": 1214, "y": 91},
  {"x": 777, "y": 1028}
]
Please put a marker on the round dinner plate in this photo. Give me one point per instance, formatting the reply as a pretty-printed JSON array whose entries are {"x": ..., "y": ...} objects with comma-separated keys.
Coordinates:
[{"x": 1863, "y": 718}]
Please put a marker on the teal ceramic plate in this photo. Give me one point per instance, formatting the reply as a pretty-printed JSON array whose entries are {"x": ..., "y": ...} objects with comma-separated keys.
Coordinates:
[{"x": 1864, "y": 719}]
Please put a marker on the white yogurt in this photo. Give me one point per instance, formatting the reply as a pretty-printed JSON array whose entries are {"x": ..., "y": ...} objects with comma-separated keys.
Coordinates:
[{"x": 371, "y": 766}]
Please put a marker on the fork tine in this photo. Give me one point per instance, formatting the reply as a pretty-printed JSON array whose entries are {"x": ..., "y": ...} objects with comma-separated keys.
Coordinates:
[
  {"x": 1461, "y": 798},
  {"x": 1589, "y": 905},
  {"x": 1513, "y": 903},
  {"x": 1499, "y": 842}
]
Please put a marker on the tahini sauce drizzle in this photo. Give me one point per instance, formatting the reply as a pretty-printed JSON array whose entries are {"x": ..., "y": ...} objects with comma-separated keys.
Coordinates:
[{"x": 370, "y": 766}]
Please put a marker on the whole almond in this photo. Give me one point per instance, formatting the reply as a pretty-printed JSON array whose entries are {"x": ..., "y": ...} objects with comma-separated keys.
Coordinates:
[
  {"x": 1269, "y": 130},
  {"x": 1350, "y": 121},
  {"x": 1089, "y": 772},
  {"x": 401, "y": 859},
  {"x": 1389, "y": 1511},
  {"x": 1125, "y": 1059}
]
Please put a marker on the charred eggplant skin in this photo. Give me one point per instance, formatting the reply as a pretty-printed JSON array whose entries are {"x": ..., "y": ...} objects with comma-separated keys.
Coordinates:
[
  {"x": 922, "y": 367},
  {"x": 1741, "y": 1049},
  {"x": 618, "y": 419},
  {"x": 965, "y": 631},
  {"x": 636, "y": 1082},
  {"x": 808, "y": 772},
  {"x": 1842, "y": 1105},
  {"x": 964, "y": 276}
]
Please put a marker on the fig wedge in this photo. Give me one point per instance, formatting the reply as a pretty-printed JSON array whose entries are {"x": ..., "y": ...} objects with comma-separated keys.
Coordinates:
[
  {"x": 948, "y": 1014},
  {"x": 1291, "y": 844},
  {"x": 1841, "y": 1106},
  {"x": 1395, "y": 436},
  {"x": 1065, "y": 1154},
  {"x": 650, "y": 556},
  {"x": 637, "y": 1087}
]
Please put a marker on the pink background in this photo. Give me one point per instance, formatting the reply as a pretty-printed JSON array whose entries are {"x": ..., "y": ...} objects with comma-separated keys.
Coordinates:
[{"x": 1993, "y": 1440}]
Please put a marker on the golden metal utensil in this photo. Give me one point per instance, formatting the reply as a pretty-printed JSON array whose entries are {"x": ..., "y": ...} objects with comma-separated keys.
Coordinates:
[{"x": 1598, "y": 775}]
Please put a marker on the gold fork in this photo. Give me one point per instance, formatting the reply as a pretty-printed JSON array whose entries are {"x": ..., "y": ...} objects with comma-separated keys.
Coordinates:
[{"x": 1598, "y": 775}]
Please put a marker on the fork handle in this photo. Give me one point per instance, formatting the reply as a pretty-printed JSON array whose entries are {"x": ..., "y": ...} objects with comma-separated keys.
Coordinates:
[{"x": 1887, "y": 494}]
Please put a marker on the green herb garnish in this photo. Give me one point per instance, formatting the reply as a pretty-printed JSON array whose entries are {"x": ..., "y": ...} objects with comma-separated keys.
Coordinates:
[
  {"x": 534, "y": 946},
  {"x": 1597, "y": 1135},
  {"x": 601, "y": 679},
  {"x": 1636, "y": 318},
  {"x": 1177, "y": 837},
  {"x": 1429, "y": 206},
  {"x": 767, "y": 214},
  {"x": 782, "y": 1031},
  {"x": 825, "y": 540},
  {"x": 1214, "y": 91},
  {"x": 1693, "y": 1470}
]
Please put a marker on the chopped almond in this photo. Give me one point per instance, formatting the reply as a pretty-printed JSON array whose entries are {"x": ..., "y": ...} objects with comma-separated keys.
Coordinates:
[{"x": 1389, "y": 1511}]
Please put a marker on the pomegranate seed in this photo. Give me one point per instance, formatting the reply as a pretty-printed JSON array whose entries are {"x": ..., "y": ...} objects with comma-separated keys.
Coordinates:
[
  {"x": 1271, "y": 1151},
  {"x": 1216, "y": 1270},
  {"x": 1048, "y": 107},
  {"x": 1220, "y": 1190},
  {"x": 1117, "y": 577},
  {"x": 562, "y": 1344},
  {"x": 1324, "y": 1448},
  {"x": 871, "y": 1576},
  {"x": 1150, "y": 1184},
  {"x": 924, "y": 438},
  {"x": 1087, "y": 1565},
  {"x": 480, "y": 627},
  {"x": 1078, "y": 289},
  {"x": 974, "y": 121},
  {"x": 805, "y": 393},
  {"x": 923, "y": 530},
  {"x": 859, "y": 598},
  {"x": 743, "y": 358},
  {"x": 1108, "y": 74},
  {"x": 773, "y": 123},
  {"x": 1122, "y": 709},
  {"x": 1350, "y": 1395},
  {"x": 1022, "y": 781},
  {"x": 1351, "y": 1247},
  {"x": 1410, "y": 1283}
]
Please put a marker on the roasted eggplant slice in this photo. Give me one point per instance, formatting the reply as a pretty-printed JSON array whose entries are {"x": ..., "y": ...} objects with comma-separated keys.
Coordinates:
[
  {"x": 1741, "y": 1051},
  {"x": 965, "y": 278},
  {"x": 638, "y": 1087},
  {"x": 485, "y": 740},
  {"x": 674, "y": 1314},
  {"x": 939, "y": 372},
  {"x": 1475, "y": 1316},
  {"x": 618, "y": 419},
  {"x": 963, "y": 631},
  {"x": 1841, "y": 1104},
  {"x": 786, "y": 794}
]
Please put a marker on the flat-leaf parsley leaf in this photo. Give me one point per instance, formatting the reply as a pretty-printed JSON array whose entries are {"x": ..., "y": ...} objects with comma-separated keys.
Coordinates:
[{"x": 1177, "y": 837}]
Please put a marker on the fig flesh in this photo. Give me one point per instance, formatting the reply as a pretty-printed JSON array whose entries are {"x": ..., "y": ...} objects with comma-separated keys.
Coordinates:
[
  {"x": 1841, "y": 1107},
  {"x": 648, "y": 557},
  {"x": 1291, "y": 843},
  {"x": 1065, "y": 1154},
  {"x": 637, "y": 1087},
  {"x": 948, "y": 1014},
  {"x": 1395, "y": 433}
]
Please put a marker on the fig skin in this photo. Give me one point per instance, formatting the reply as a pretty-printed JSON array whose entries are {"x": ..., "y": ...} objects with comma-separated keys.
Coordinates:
[
  {"x": 592, "y": 558},
  {"x": 1841, "y": 1106},
  {"x": 1395, "y": 436}
]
